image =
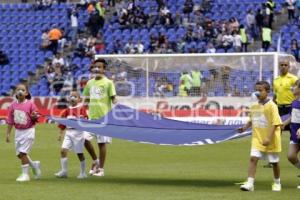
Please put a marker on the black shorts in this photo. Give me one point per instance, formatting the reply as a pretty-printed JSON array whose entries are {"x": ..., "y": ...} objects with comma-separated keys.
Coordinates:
[{"x": 285, "y": 110}]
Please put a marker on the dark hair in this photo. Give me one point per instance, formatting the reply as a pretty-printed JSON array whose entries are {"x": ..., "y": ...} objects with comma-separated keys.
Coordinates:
[
  {"x": 98, "y": 60},
  {"x": 28, "y": 96},
  {"x": 265, "y": 84}
]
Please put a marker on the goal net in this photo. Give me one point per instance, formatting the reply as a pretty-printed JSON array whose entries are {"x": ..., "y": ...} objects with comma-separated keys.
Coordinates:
[{"x": 192, "y": 85}]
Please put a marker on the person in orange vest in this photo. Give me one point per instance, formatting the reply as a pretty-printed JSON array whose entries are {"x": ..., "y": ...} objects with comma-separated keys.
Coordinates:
[{"x": 54, "y": 35}]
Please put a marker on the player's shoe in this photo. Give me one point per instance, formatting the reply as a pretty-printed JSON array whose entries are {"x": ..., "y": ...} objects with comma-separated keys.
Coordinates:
[
  {"x": 23, "y": 178},
  {"x": 276, "y": 187},
  {"x": 82, "y": 176},
  {"x": 100, "y": 173},
  {"x": 298, "y": 187},
  {"x": 247, "y": 187},
  {"x": 94, "y": 169},
  {"x": 92, "y": 172},
  {"x": 36, "y": 170},
  {"x": 61, "y": 174}
]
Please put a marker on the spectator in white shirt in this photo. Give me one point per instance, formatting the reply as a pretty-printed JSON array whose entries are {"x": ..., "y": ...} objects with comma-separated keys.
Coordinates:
[
  {"x": 237, "y": 42},
  {"x": 129, "y": 47},
  {"x": 250, "y": 20},
  {"x": 139, "y": 47},
  {"x": 164, "y": 11},
  {"x": 45, "y": 40},
  {"x": 227, "y": 41},
  {"x": 58, "y": 59},
  {"x": 74, "y": 25},
  {"x": 291, "y": 9}
]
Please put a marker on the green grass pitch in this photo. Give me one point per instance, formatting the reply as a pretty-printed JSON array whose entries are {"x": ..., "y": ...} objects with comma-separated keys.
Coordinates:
[{"x": 143, "y": 171}]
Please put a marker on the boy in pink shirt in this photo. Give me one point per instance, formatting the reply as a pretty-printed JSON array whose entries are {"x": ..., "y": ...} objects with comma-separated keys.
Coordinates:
[{"x": 22, "y": 114}]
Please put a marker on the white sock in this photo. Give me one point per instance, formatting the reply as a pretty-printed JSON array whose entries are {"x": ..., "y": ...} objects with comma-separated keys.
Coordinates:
[
  {"x": 96, "y": 162},
  {"x": 297, "y": 165},
  {"x": 30, "y": 162},
  {"x": 82, "y": 167},
  {"x": 250, "y": 180},
  {"x": 277, "y": 181},
  {"x": 25, "y": 169},
  {"x": 64, "y": 164}
]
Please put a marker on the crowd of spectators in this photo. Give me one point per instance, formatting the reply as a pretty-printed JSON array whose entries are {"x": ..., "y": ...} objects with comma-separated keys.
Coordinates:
[
  {"x": 58, "y": 72},
  {"x": 130, "y": 15},
  {"x": 229, "y": 35}
]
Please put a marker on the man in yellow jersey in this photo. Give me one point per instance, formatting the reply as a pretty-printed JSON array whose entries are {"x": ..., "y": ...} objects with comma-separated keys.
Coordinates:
[
  {"x": 282, "y": 85},
  {"x": 283, "y": 95}
]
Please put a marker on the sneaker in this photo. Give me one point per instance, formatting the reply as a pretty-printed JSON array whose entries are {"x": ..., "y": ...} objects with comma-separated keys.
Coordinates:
[
  {"x": 94, "y": 169},
  {"x": 247, "y": 187},
  {"x": 82, "y": 176},
  {"x": 100, "y": 173},
  {"x": 23, "y": 178},
  {"x": 36, "y": 170},
  {"x": 298, "y": 187},
  {"x": 61, "y": 174},
  {"x": 276, "y": 187},
  {"x": 92, "y": 172}
]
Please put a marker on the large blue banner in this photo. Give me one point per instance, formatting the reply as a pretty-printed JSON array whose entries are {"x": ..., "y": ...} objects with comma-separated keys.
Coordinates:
[{"x": 133, "y": 125}]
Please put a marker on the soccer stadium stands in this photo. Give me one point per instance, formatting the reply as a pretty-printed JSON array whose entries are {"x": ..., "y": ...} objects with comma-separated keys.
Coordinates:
[{"x": 22, "y": 25}]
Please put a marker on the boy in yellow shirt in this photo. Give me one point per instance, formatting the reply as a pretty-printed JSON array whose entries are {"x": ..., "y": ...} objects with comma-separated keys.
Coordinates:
[{"x": 266, "y": 141}]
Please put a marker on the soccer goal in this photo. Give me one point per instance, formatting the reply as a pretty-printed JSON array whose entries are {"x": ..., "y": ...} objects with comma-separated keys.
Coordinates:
[{"x": 192, "y": 85}]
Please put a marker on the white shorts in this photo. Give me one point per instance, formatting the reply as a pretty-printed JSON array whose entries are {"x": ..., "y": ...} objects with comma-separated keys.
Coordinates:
[
  {"x": 24, "y": 139},
  {"x": 73, "y": 140},
  {"x": 270, "y": 157},
  {"x": 100, "y": 139}
]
